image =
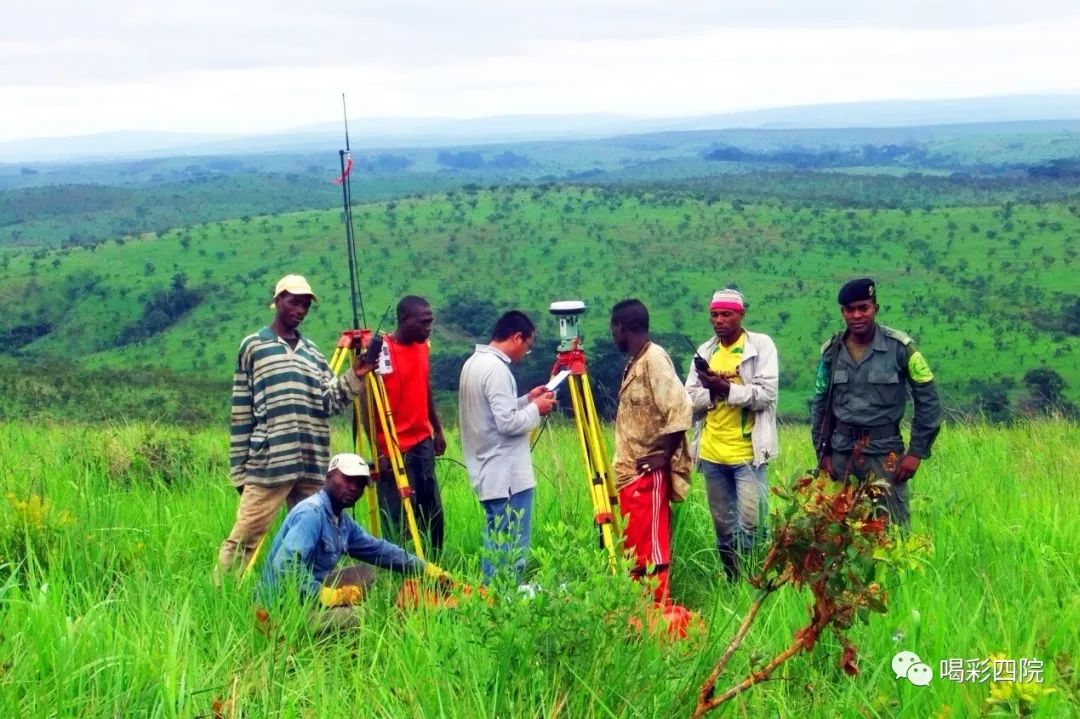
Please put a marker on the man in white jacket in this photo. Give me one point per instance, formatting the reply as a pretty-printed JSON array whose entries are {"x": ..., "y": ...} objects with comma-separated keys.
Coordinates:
[
  {"x": 733, "y": 384},
  {"x": 495, "y": 425}
]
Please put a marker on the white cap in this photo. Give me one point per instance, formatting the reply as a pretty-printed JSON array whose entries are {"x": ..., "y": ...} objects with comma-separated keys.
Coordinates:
[
  {"x": 294, "y": 285},
  {"x": 352, "y": 465}
]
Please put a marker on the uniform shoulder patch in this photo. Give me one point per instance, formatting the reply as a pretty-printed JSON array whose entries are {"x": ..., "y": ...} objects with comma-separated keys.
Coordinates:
[
  {"x": 919, "y": 369},
  {"x": 897, "y": 335}
]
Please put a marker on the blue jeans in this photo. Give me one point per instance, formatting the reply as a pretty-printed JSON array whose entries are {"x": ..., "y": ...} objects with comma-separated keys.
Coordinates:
[
  {"x": 507, "y": 533},
  {"x": 738, "y": 502}
]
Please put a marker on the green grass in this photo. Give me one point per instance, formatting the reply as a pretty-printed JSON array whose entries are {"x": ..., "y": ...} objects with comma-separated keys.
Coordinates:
[{"x": 107, "y": 609}]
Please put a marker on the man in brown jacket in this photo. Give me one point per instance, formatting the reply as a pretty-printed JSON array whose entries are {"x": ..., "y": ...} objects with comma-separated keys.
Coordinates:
[{"x": 652, "y": 462}]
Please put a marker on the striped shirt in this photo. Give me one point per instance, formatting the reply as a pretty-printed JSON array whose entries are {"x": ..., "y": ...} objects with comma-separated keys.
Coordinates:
[{"x": 281, "y": 401}]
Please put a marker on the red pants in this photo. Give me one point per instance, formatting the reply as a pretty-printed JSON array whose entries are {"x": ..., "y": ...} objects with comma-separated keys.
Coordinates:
[{"x": 647, "y": 527}]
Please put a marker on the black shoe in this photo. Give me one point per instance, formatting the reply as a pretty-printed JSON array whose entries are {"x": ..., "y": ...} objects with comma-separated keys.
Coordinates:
[{"x": 730, "y": 559}]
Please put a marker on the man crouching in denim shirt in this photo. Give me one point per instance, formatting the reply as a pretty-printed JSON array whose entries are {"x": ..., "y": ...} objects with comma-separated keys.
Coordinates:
[{"x": 317, "y": 532}]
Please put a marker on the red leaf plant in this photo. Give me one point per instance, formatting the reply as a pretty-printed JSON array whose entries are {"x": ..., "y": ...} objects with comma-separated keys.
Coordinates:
[{"x": 832, "y": 539}]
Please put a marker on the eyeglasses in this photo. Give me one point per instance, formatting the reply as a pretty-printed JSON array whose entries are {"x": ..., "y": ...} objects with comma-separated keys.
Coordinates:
[{"x": 528, "y": 344}]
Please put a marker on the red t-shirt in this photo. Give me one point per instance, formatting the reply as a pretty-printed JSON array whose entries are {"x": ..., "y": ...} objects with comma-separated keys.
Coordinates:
[{"x": 407, "y": 390}]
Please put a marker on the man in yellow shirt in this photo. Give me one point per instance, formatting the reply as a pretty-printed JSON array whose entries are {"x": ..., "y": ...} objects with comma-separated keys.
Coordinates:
[{"x": 734, "y": 400}]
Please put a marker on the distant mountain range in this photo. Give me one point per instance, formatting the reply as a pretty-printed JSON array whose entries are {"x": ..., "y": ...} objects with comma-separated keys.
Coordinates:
[{"x": 417, "y": 132}]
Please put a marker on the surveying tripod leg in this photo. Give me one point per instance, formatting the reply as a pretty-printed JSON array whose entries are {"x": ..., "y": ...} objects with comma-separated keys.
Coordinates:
[
  {"x": 372, "y": 500},
  {"x": 368, "y": 408},
  {"x": 341, "y": 359},
  {"x": 254, "y": 558},
  {"x": 602, "y": 514},
  {"x": 603, "y": 458},
  {"x": 338, "y": 359},
  {"x": 377, "y": 390}
]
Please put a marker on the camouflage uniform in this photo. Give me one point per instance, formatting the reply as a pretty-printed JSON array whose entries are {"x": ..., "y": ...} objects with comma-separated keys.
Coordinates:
[{"x": 867, "y": 405}]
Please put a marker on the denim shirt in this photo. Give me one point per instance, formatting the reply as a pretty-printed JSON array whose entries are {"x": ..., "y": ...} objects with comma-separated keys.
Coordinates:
[{"x": 310, "y": 543}]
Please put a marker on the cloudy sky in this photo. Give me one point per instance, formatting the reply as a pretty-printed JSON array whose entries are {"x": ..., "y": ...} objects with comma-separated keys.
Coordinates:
[{"x": 70, "y": 67}]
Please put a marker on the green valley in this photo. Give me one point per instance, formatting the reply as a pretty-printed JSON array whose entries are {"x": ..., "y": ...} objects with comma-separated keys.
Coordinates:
[{"x": 971, "y": 284}]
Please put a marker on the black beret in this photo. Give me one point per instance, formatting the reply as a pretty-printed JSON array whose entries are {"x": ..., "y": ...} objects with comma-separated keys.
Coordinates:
[{"x": 860, "y": 289}]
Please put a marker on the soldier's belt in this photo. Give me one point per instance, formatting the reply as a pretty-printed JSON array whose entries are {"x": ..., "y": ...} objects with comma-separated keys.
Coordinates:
[{"x": 881, "y": 431}]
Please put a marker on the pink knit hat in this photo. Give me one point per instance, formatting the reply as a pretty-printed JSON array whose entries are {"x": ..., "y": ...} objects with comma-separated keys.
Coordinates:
[{"x": 728, "y": 300}]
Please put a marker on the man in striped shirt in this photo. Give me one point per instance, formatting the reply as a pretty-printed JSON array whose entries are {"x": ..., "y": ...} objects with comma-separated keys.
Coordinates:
[{"x": 283, "y": 396}]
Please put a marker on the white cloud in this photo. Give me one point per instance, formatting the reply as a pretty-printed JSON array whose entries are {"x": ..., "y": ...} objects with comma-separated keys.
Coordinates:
[{"x": 69, "y": 67}]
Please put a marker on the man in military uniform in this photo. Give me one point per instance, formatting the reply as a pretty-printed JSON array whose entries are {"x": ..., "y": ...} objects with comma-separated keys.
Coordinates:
[{"x": 862, "y": 385}]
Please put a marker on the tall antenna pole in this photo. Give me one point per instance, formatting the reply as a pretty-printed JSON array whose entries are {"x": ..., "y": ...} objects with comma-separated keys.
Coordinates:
[
  {"x": 345, "y": 114},
  {"x": 345, "y": 156}
]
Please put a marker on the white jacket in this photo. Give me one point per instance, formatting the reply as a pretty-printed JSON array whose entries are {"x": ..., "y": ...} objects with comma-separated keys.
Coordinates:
[{"x": 760, "y": 373}]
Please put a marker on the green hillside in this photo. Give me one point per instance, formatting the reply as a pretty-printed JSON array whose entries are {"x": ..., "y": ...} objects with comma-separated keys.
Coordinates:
[
  {"x": 87, "y": 214},
  {"x": 988, "y": 292},
  {"x": 82, "y": 203}
]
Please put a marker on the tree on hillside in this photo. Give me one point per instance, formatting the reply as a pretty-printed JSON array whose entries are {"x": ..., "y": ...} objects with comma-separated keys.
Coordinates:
[
  {"x": 1046, "y": 392},
  {"x": 446, "y": 370},
  {"x": 509, "y": 161},
  {"x": 465, "y": 160},
  {"x": 992, "y": 400},
  {"x": 161, "y": 310},
  {"x": 1070, "y": 320},
  {"x": 473, "y": 315}
]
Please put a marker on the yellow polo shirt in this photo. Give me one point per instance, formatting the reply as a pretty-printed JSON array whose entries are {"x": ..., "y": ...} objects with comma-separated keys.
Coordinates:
[{"x": 726, "y": 436}]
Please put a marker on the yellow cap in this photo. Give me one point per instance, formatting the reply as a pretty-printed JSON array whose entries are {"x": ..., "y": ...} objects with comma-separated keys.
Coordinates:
[{"x": 294, "y": 285}]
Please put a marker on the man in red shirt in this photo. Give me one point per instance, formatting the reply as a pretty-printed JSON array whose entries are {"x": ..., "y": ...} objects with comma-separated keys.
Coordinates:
[{"x": 419, "y": 432}]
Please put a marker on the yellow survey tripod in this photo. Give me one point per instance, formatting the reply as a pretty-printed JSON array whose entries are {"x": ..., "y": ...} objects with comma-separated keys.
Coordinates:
[
  {"x": 572, "y": 366},
  {"x": 372, "y": 411}
]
